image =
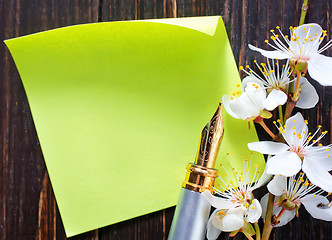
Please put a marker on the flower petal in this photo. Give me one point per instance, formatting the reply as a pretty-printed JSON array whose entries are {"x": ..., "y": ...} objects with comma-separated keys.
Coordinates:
[
  {"x": 277, "y": 54},
  {"x": 255, "y": 211},
  {"x": 278, "y": 185},
  {"x": 317, "y": 174},
  {"x": 287, "y": 164},
  {"x": 321, "y": 156},
  {"x": 316, "y": 206},
  {"x": 227, "y": 100},
  {"x": 268, "y": 147},
  {"x": 303, "y": 45},
  {"x": 286, "y": 217},
  {"x": 262, "y": 180},
  {"x": 320, "y": 69},
  {"x": 212, "y": 231},
  {"x": 256, "y": 94},
  {"x": 274, "y": 99},
  {"x": 295, "y": 124},
  {"x": 233, "y": 220},
  {"x": 217, "y": 202},
  {"x": 309, "y": 97},
  {"x": 244, "y": 107},
  {"x": 263, "y": 202},
  {"x": 249, "y": 79}
]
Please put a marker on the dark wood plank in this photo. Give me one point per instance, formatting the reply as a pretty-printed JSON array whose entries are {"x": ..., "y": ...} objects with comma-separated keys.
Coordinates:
[{"x": 27, "y": 205}]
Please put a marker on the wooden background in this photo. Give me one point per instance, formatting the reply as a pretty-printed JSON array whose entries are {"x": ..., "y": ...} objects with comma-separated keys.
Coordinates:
[{"x": 27, "y": 206}]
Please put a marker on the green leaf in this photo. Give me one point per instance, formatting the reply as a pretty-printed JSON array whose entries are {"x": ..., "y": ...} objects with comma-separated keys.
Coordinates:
[
  {"x": 232, "y": 234},
  {"x": 265, "y": 114},
  {"x": 248, "y": 229}
]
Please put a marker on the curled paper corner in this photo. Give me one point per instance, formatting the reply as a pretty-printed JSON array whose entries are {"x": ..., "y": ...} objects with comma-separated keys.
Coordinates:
[{"x": 206, "y": 25}]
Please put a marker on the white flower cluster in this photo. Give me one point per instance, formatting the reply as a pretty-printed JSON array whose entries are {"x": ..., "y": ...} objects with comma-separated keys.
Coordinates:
[{"x": 298, "y": 164}]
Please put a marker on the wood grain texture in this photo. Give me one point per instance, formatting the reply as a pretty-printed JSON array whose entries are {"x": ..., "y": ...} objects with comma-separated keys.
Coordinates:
[{"x": 27, "y": 204}]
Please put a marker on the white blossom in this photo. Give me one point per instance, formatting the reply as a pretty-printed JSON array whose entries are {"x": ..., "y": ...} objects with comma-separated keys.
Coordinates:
[
  {"x": 272, "y": 76},
  {"x": 253, "y": 102},
  {"x": 302, "y": 47},
  {"x": 298, "y": 153},
  {"x": 296, "y": 191},
  {"x": 235, "y": 204}
]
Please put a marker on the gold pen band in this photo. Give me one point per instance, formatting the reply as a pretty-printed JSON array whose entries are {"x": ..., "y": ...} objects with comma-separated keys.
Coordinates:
[{"x": 199, "y": 178}]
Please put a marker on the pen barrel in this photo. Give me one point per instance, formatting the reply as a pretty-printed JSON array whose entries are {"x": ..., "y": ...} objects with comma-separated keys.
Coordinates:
[
  {"x": 192, "y": 211},
  {"x": 190, "y": 217}
]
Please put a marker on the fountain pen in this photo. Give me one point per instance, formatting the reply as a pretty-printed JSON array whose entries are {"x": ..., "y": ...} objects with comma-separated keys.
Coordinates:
[{"x": 192, "y": 211}]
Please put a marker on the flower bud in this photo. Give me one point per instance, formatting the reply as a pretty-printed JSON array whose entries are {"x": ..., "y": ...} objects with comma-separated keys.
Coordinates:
[
  {"x": 286, "y": 203},
  {"x": 301, "y": 66},
  {"x": 298, "y": 66}
]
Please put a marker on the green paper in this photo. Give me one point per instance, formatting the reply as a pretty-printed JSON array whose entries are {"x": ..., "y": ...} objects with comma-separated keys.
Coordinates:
[{"x": 119, "y": 108}]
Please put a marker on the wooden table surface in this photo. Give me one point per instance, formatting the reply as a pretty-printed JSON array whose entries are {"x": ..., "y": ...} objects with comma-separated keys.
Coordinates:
[{"x": 27, "y": 206}]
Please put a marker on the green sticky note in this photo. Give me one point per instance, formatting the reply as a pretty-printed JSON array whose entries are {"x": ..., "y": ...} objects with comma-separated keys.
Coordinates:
[{"x": 119, "y": 108}]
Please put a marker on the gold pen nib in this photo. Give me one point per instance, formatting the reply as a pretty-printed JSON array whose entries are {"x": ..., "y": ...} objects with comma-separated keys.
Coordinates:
[
  {"x": 200, "y": 176},
  {"x": 210, "y": 140}
]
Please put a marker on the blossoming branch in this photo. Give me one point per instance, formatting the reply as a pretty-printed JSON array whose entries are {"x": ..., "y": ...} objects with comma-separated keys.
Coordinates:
[{"x": 298, "y": 164}]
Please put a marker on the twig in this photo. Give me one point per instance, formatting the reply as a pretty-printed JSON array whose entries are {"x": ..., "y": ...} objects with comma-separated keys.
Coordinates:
[
  {"x": 296, "y": 94},
  {"x": 304, "y": 11},
  {"x": 268, "y": 219},
  {"x": 248, "y": 236},
  {"x": 258, "y": 231},
  {"x": 266, "y": 128},
  {"x": 281, "y": 115}
]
